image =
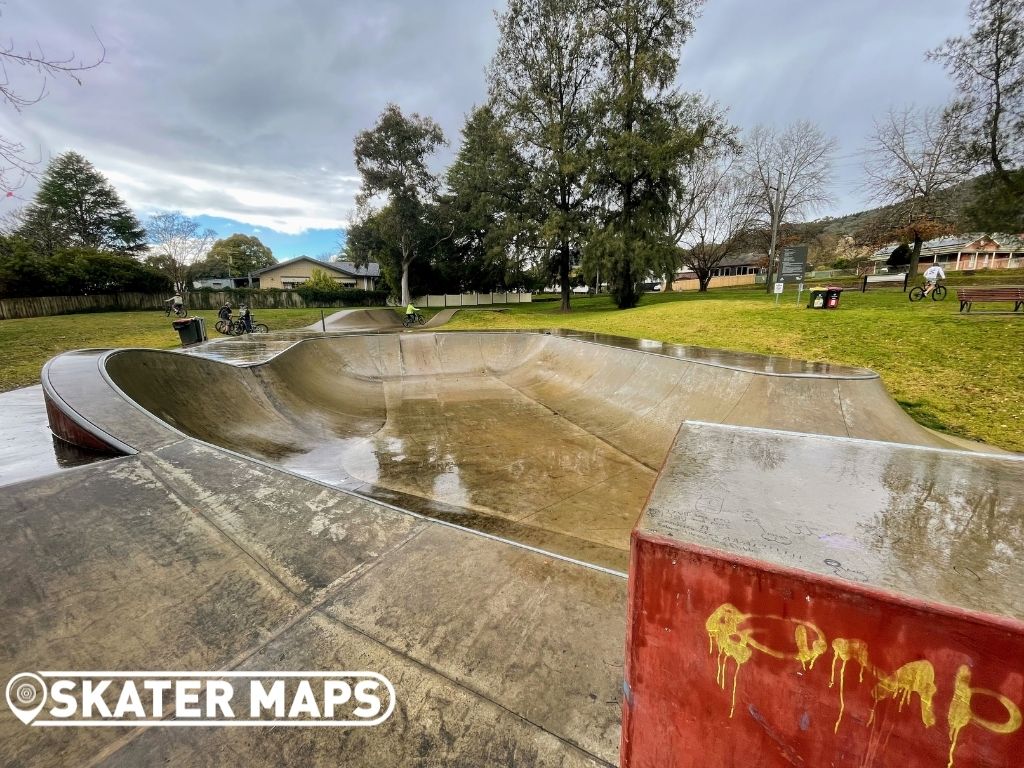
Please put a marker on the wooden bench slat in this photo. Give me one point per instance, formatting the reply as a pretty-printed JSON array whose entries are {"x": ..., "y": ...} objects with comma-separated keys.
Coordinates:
[{"x": 970, "y": 294}]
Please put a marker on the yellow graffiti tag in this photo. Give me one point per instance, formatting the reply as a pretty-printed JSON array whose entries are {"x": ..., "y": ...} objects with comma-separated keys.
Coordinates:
[
  {"x": 961, "y": 713},
  {"x": 723, "y": 628},
  {"x": 844, "y": 650},
  {"x": 731, "y": 633},
  {"x": 916, "y": 677}
]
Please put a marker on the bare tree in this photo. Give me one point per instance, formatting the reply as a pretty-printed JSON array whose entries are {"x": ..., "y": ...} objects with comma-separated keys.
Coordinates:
[
  {"x": 178, "y": 242},
  {"x": 988, "y": 68},
  {"x": 910, "y": 159},
  {"x": 722, "y": 214},
  {"x": 790, "y": 174},
  {"x": 15, "y": 167},
  {"x": 696, "y": 176}
]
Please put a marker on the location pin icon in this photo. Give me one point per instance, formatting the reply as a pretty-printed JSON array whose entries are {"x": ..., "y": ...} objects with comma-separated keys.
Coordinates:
[{"x": 26, "y": 695}]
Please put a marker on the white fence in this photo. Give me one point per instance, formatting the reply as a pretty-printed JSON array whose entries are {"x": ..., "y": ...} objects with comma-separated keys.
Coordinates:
[{"x": 471, "y": 299}]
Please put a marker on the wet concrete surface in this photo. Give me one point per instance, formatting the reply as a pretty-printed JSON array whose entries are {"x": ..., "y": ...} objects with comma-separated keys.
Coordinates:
[
  {"x": 550, "y": 439},
  {"x": 27, "y": 447},
  {"x": 189, "y": 555},
  {"x": 186, "y": 557},
  {"x": 942, "y": 526}
]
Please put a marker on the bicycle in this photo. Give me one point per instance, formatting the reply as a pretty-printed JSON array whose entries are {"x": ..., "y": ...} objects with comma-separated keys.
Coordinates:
[
  {"x": 415, "y": 319},
  {"x": 938, "y": 293},
  {"x": 238, "y": 328},
  {"x": 179, "y": 311}
]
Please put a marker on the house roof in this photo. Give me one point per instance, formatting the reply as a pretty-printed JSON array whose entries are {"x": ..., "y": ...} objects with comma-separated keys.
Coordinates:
[
  {"x": 749, "y": 259},
  {"x": 369, "y": 270},
  {"x": 346, "y": 268},
  {"x": 956, "y": 243}
]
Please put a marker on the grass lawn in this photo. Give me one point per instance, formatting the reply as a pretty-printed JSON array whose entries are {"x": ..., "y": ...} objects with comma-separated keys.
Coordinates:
[
  {"x": 962, "y": 374},
  {"x": 26, "y": 344}
]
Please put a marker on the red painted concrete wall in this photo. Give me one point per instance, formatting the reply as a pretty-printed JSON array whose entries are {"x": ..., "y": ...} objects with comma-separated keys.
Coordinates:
[
  {"x": 730, "y": 662},
  {"x": 68, "y": 431}
]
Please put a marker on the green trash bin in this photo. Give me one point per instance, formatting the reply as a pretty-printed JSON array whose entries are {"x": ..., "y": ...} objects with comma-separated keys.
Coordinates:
[
  {"x": 817, "y": 299},
  {"x": 191, "y": 330}
]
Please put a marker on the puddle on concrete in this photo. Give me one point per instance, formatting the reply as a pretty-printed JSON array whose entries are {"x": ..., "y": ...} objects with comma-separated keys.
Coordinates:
[
  {"x": 27, "y": 447},
  {"x": 500, "y": 462}
]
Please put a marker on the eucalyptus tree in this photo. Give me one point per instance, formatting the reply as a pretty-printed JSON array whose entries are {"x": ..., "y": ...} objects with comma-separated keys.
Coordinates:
[{"x": 397, "y": 200}]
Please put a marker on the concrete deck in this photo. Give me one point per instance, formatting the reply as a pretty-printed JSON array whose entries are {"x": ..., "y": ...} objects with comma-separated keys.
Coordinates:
[{"x": 499, "y": 655}]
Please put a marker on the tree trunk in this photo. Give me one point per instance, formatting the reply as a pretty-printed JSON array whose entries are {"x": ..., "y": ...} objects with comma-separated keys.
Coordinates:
[
  {"x": 915, "y": 256},
  {"x": 702, "y": 283},
  {"x": 563, "y": 275},
  {"x": 669, "y": 275},
  {"x": 406, "y": 298}
]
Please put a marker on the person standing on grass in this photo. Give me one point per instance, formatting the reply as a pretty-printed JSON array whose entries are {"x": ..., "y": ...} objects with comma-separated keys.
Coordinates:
[{"x": 932, "y": 275}]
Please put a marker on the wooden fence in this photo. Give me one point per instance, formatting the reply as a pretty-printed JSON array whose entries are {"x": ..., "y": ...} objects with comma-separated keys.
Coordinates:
[
  {"x": 43, "y": 306},
  {"x": 693, "y": 284}
]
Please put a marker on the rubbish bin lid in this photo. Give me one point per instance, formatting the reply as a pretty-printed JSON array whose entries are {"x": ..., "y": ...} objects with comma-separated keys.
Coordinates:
[{"x": 178, "y": 324}]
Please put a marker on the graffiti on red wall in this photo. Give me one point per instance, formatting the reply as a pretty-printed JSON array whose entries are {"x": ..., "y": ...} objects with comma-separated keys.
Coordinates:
[{"x": 732, "y": 637}]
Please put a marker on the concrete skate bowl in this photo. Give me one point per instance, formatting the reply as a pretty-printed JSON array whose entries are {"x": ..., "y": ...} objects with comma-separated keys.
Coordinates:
[{"x": 553, "y": 440}]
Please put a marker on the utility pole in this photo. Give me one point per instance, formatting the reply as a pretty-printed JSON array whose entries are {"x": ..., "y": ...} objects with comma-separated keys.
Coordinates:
[{"x": 775, "y": 232}]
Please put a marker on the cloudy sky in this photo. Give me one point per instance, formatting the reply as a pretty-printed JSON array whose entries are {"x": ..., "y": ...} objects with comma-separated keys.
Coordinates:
[{"x": 243, "y": 113}]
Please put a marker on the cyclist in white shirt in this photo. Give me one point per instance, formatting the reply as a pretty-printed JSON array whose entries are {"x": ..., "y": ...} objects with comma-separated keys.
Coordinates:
[{"x": 932, "y": 275}]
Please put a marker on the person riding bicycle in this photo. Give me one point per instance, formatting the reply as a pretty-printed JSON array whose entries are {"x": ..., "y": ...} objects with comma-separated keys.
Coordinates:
[
  {"x": 176, "y": 302},
  {"x": 412, "y": 315},
  {"x": 224, "y": 313},
  {"x": 932, "y": 275},
  {"x": 246, "y": 317}
]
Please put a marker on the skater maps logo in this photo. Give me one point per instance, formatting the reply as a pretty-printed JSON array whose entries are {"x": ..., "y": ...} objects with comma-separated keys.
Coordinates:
[{"x": 300, "y": 699}]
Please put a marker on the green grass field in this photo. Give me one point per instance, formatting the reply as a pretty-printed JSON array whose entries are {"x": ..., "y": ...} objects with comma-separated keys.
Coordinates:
[
  {"x": 26, "y": 344},
  {"x": 962, "y": 374}
]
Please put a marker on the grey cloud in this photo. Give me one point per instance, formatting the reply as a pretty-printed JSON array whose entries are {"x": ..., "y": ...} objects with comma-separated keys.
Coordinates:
[{"x": 233, "y": 108}]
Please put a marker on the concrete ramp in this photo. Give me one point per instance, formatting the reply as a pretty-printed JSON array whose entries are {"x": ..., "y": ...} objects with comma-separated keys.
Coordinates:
[{"x": 358, "y": 320}]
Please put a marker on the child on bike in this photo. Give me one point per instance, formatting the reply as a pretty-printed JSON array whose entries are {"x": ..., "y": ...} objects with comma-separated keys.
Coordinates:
[
  {"x": 224, "y": 313},
  {"x": 246, "y": 317},
  {"x": 932, "y": 275},
  {"x": 177, "y": 303},
  {"x": 412, "y": 314}
]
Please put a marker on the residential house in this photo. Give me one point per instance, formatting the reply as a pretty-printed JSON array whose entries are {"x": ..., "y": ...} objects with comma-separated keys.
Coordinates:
[
  {"x": 752, "y": 263},
  {"x": 294, "y": 272},
  {"x": 969, "y": 251}
]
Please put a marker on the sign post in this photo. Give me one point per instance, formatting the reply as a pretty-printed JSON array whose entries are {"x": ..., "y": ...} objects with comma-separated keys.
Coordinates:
[{"x": 792, "y": 266}]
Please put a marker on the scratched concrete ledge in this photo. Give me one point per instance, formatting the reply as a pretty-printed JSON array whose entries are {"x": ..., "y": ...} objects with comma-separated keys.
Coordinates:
[{"x": 829, "y": 601}]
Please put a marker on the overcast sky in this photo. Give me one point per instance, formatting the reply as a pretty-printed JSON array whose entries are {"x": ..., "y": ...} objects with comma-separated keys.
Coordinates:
[{"x": 244, "y": 113}]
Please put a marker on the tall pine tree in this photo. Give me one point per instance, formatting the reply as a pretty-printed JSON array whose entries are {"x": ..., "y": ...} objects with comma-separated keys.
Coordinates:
[{"x": 77, "y": 207}]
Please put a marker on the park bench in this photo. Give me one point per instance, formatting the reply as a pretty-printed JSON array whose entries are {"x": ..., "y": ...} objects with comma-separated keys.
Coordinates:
[
  {"x": 972, "y": 294},
  {"x": 900, "y": 278}
]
